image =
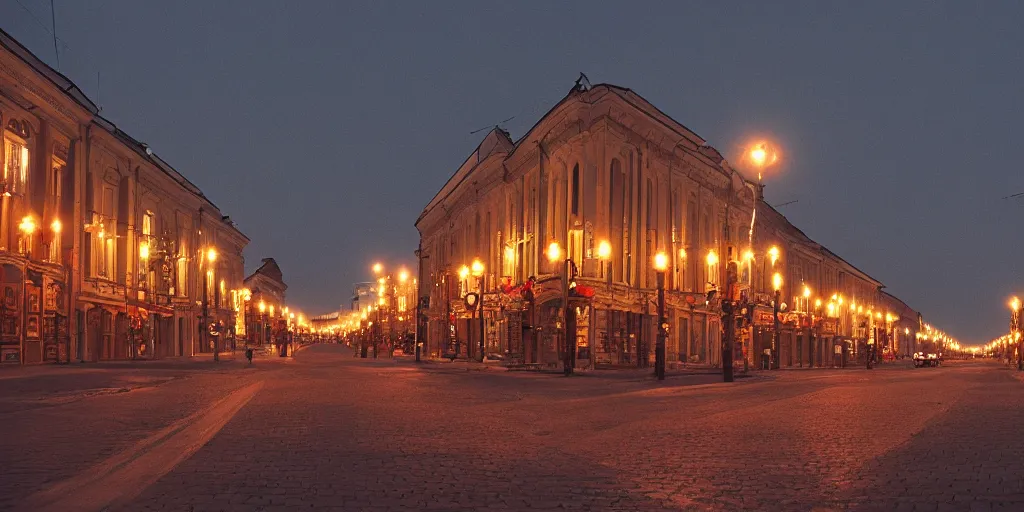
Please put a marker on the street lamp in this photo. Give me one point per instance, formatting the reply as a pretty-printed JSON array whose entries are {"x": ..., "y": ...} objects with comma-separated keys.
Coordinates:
[
  {"x": 660, "y": 265},
  {"x": 477, "y": 269},
  {"x": 1015, "y": 327},
  {"x": 554, "y": 254},
  {"x": 263, "y": 311},
  {"x": 211, "y": 257},
  {"x": 777, "y": 286},
  {"x": 27, "y": 227}
]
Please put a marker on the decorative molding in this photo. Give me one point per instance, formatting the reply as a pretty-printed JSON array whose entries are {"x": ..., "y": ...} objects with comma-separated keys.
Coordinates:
[{"x": 23, "y": 81}]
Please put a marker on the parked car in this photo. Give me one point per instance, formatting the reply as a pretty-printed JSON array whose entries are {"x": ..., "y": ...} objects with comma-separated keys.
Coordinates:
[{"x": 926, "y": 359}]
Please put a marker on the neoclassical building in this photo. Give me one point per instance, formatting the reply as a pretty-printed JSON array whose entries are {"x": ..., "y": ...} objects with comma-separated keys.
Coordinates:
[
  {"x": 613, "y": 180},
  {"x": 105, "y": 247},
  {"x": 264, "y": 302}
]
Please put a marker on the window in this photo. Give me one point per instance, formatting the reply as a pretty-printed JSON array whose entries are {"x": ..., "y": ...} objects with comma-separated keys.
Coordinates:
[
  {"x": 616, "y": 191},
  {"x": 105, "y": 235},
  {"x": 181, "y": 272},
  {"x": 691, "y": 244},
  {"x": 56, "y": 198},
  {"x": 146, "y": 250},
  {"x": 576, "y": 189},
  {"x": 15, "y": 164}
]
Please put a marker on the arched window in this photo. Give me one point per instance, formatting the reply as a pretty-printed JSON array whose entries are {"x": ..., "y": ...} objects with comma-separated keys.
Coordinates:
[
  {"x": 616, "y": 213},
  {"x": 576, "y": 189}
]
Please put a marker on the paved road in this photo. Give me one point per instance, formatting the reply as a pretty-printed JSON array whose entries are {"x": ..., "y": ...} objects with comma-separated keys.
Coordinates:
[{"x": 326, "y": 431}]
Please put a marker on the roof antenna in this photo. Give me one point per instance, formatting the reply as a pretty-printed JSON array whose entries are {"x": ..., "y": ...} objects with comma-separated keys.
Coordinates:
[
  {"x": 786, "y": 203},
  {"x": 53, "y": 22},
  {"x": 582, "y": 83},
  {"x": 497, "y": 126},
  {"x": 99, "y": 107}
]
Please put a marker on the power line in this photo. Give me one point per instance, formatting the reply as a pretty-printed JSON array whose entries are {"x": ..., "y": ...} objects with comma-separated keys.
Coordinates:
[
  {"x": 53, "y": 20},
  {"x": 43, "y": 26}
]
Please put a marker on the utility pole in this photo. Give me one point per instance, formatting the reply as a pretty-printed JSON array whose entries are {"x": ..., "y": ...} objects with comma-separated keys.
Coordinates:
[
  {"x": 775, "y": 359},
  {"x": 660, "y": 266},
  {"x": 567, "y": 356},
  {"x": 729, "y": 319},
  {"x": 659, "y": 350},
  {"x": 205, "y": 327}
]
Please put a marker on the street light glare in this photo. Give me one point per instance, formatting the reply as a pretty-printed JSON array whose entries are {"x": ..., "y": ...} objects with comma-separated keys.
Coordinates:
[
  {"x": 712, "y": 258},
  {"x": 554, "y": 252},
  {"x": 758, "y": 155},
  {"x": 378, "y": 268},
  {"x": 807, "y": 292},
  {"x": 211, "y": 255},
  {"x": 604, "y": 250},
  {"x": 777, "y": 281},
  {"x": 660, "y": 262},
  {"x": 28, "y": 225},
  {"x": 463, "y": 272},
  {"x": 477, "y": 268},
  {"x": 773, "y": 254},
  {"x": 403, "y": 275}
]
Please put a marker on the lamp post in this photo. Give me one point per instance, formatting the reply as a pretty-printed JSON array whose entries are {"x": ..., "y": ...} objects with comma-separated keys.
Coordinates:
[
  {"x": 1015, "y": 327},
  {"x": 777, "y": 286},
  {"x": 604, "y": 253},
  {"x": 263, "y": 310},
  {"x": 554, "y": 254},
  {"x": 464, "y": 278},
  {"x": 660, "y": 265},
  {"x": 211, "y": 257},
  {"x": 814, "y": 333},
  {"x": 477, "y": 269},
  {"x": 807, "y": 314}
]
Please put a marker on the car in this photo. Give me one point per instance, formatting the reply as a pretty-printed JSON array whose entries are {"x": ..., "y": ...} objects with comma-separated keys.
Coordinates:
[{"x": 926, "y": 359}]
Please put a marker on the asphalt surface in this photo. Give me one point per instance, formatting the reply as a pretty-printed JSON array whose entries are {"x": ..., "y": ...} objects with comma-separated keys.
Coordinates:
[{"x": 326, "y": 431}]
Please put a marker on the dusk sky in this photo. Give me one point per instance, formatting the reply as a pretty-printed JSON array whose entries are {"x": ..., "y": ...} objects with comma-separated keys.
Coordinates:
[{"x": 323, "y": 127}]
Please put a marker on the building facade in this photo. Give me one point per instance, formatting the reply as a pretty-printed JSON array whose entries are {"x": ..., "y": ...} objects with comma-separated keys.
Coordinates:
[
  {"x": 103, "y": 244},
  {"x": 264, "y": 297},
  {"x": 612, "y": 181}
]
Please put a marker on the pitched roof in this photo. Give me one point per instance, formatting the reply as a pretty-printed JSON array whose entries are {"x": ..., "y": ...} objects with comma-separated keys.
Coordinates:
[
  {"x": 271, "y": 270},
  {"x": 72, "y": 91},
  {"x": 496, "y": 140},
  {"x": 59, "y": 80}
]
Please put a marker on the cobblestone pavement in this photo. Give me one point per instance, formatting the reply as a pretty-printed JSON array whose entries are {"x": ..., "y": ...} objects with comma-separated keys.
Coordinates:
[{"x": 327, "y": 431}]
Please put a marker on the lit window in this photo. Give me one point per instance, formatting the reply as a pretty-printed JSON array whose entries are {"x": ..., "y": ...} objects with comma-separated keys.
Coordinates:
[{"x": 15, "y": 165}]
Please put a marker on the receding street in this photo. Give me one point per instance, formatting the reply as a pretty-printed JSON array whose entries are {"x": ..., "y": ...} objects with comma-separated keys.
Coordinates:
[{"x": 327, "y": 431}]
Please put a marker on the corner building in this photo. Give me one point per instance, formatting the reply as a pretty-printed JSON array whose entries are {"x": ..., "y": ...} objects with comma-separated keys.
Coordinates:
[
  {"x": 103, "y": 244},
  {"x": 604, "y": 167}
]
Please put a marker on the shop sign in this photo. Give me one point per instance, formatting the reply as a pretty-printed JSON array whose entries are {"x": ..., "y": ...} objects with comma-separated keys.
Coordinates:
[
  {"x": 763, "y": 317},
  {"x": 828, "y": 326}
]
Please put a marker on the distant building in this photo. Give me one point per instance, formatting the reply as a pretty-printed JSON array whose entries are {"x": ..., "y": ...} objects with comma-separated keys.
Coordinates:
[
  {"x": 325, "y": 323},
  {"x": 266, "y": 289},
  {"x": 364, "y": 295}
]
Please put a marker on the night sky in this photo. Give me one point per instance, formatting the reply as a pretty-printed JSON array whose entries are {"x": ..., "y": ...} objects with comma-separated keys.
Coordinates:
[{"x": 323, "y": 127}]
